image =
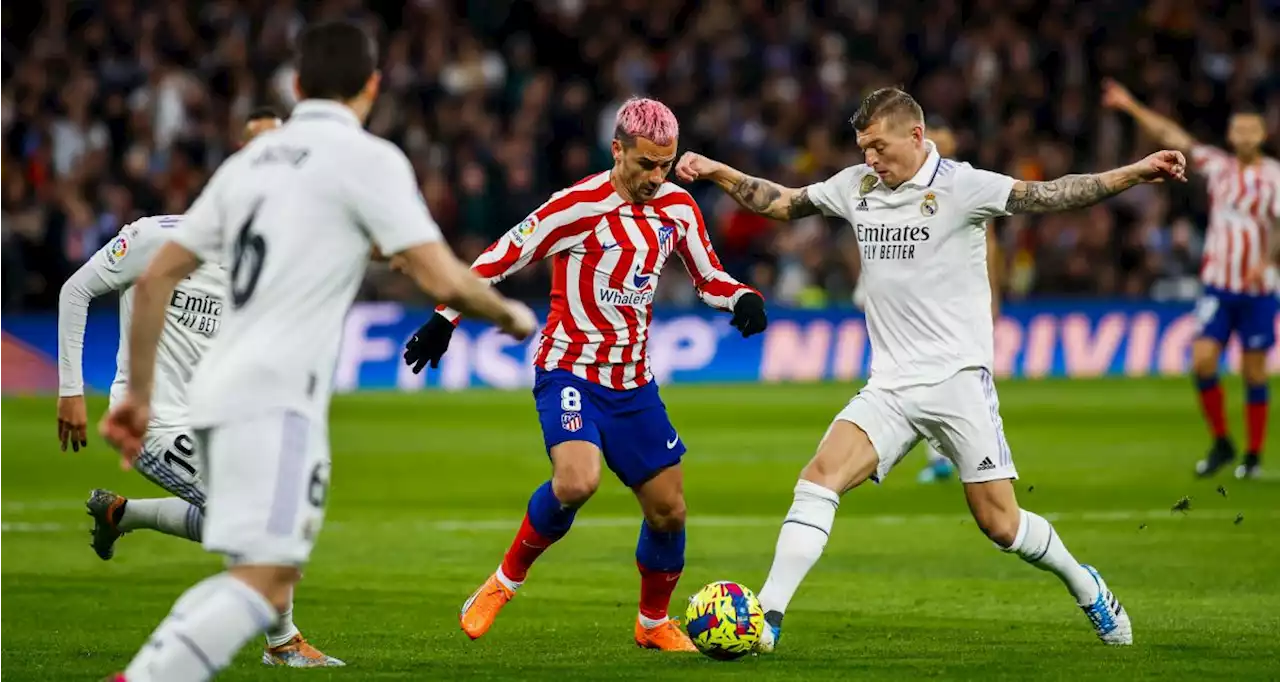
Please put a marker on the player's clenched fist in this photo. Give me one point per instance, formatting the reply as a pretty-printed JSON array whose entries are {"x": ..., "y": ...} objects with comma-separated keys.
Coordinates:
[
  {"x": 521, "y": 321},
  {"x": 748, "y": 315},
  {"x": 1163, "y": 165},
  {"x": 693, "y": 166},
  {"x": 124, "y": 426}
]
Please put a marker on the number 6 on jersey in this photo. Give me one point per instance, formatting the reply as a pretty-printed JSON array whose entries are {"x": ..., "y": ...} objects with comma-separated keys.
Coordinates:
[{"x": 249, "y": 245}]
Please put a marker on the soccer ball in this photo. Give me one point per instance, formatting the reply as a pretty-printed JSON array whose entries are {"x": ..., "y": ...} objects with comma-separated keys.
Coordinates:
[{"x": 724, "y": 620}]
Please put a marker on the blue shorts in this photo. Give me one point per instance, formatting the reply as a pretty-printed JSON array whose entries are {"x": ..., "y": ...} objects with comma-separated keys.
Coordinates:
[
  {"x": 1251, "y": 316},
  {"x": 630, "y": 427}
]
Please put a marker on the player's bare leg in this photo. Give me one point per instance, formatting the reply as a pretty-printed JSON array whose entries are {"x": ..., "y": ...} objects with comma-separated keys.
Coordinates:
[
  {"x": 995, "y": 509},
  {"x": 1253, "y": 366},
  {"x": 1206, "y": 354},
  {"x": 845, "y": 459},
  {"x": 660, "y": 558},
  {"x": 574, "y": 479}
]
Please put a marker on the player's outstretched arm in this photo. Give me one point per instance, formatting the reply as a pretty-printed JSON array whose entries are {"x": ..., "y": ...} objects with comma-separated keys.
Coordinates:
[
  {"x": 757, "y": 195},
  {"x": 556, "y": 225},
  {"x": 435, "y": 269},
  {"x": 1078, "y": 191},
  {"x": 1164, "y": 130}
]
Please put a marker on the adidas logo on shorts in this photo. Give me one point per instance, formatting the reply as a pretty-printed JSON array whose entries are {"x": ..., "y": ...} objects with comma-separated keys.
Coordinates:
[{"x": 986, "y": 464}]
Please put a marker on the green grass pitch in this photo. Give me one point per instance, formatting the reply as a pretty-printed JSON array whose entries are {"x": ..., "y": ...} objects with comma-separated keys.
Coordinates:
[{"x": 428, "y": 488}]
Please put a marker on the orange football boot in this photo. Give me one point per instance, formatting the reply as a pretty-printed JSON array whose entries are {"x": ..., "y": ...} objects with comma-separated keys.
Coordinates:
[
  {"x": 298, "y": 653},
  {"x": 668, "y": 636},
  {"x": 479, "y": 612}
]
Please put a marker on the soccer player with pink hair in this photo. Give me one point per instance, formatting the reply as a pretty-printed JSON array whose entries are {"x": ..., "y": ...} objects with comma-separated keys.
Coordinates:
[{"x": 608, "y": 238}]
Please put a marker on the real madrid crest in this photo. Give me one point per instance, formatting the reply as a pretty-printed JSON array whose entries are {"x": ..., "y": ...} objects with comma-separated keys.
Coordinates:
[
  {"x": 868, "y": 183},
  {"x": 929, "y": 206}
]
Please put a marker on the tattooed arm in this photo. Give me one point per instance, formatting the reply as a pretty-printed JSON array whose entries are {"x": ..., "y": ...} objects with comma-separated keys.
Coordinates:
[
  {"x": 1069, "y": 191},
  {"x": 757, "y": 195},
  {"x": 766, "y": 198},
  {"x": 984, "y": 195}
]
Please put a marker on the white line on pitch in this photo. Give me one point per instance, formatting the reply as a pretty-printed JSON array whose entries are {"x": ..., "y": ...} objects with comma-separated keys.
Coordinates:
[
  {"x": 19, "y": 527},
  {"x": 879, "y": 519},
  {"x": 42, "y": 505}
]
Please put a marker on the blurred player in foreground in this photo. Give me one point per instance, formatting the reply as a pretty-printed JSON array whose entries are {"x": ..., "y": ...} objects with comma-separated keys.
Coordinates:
[
  {"x": 168, "y": 457},
  {"x": 608, "y": 238},
  {"x": 920, "y": 221},
  {"x": 1241, "y": 253},
  {"x": 295, "y": 215}
]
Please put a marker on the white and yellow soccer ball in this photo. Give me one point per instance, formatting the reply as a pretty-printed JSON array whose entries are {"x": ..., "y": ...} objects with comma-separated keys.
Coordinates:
[{"x": 724, "y": 620}]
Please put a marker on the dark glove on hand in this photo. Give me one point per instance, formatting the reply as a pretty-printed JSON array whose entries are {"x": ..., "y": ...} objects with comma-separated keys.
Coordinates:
[
  {"x": 748, "y": 315},
  {"x": 428, "y": 344}
]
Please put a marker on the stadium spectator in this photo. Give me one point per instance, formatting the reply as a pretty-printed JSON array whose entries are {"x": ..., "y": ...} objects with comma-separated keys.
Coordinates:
[{"x": 120, "y": 109}]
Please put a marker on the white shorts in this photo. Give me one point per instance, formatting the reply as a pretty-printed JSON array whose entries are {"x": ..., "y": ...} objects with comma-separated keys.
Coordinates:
[
  {"x": 169, "y": 460},
  {"x": 960, "y": 417},
  {"x": 267, "y": 481}
]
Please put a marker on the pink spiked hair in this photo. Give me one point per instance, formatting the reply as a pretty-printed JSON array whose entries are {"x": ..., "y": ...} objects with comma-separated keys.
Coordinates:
[{"x": 647, "y": 118}]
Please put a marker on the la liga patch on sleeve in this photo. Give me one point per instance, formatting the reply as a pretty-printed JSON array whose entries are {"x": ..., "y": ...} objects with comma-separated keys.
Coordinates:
[
  {"x": 524, "y": 230},
  {"x": 117, "y": 250}
]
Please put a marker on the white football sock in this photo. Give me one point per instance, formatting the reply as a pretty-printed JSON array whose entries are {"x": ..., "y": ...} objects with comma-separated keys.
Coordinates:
[
  {"x": 206, "y": 628},
  {"x": 169, "y": 515},
  {"x": 650, "y": 623},
  {"x": 800, "y": 543},
  {"x": 511, "y": 584},
  {"x": 284, "y": 630},
  {"x": 1039, "y": 545},
  {"x": 934, "y": 456}
]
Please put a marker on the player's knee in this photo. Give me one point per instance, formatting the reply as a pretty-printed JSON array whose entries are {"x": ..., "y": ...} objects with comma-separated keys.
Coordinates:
[
  {"x": 575, "y": 486},
  {"x": 1253, "y": 368},
  {"x": 1205, "y": 356},
  {"x": 666, "y": 516}
]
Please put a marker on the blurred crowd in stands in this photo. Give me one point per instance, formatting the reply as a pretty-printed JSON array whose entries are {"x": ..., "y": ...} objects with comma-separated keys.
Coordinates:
[{"x": 115, "y": 109}]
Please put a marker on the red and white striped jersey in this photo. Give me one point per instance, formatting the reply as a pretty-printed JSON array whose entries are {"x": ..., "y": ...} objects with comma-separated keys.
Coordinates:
[
  {"x": 1244, "y": 209},
  {"x": 606, "y": 257}
]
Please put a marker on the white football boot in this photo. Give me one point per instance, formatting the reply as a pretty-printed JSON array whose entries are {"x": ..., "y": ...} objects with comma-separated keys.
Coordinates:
[
  {"x": 771, "y": 633},
  {"x": 1109, "y": 618}
]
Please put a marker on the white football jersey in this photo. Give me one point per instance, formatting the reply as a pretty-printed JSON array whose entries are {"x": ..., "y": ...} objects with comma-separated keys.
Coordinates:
[
  {"x": 293, "y": 215},
  {"x": 924, "y": 264},
  {"x": 192, "y": 318}
]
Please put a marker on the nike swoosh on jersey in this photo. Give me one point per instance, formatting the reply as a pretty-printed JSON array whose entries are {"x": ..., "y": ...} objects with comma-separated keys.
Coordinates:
[
  {"x": 672, "y": 443},
  {"x": 606, "y": 247}
]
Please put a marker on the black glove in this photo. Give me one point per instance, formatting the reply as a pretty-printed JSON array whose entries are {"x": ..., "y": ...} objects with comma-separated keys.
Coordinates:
[
  {"x": 748, "y": 315},
  {"x": 428, "y": 344}
]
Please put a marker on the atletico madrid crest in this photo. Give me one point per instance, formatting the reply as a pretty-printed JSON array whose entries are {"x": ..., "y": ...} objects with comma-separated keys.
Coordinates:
[
  {"x": 571, "y": 421},
  {"x": 666, "y": 239}
]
